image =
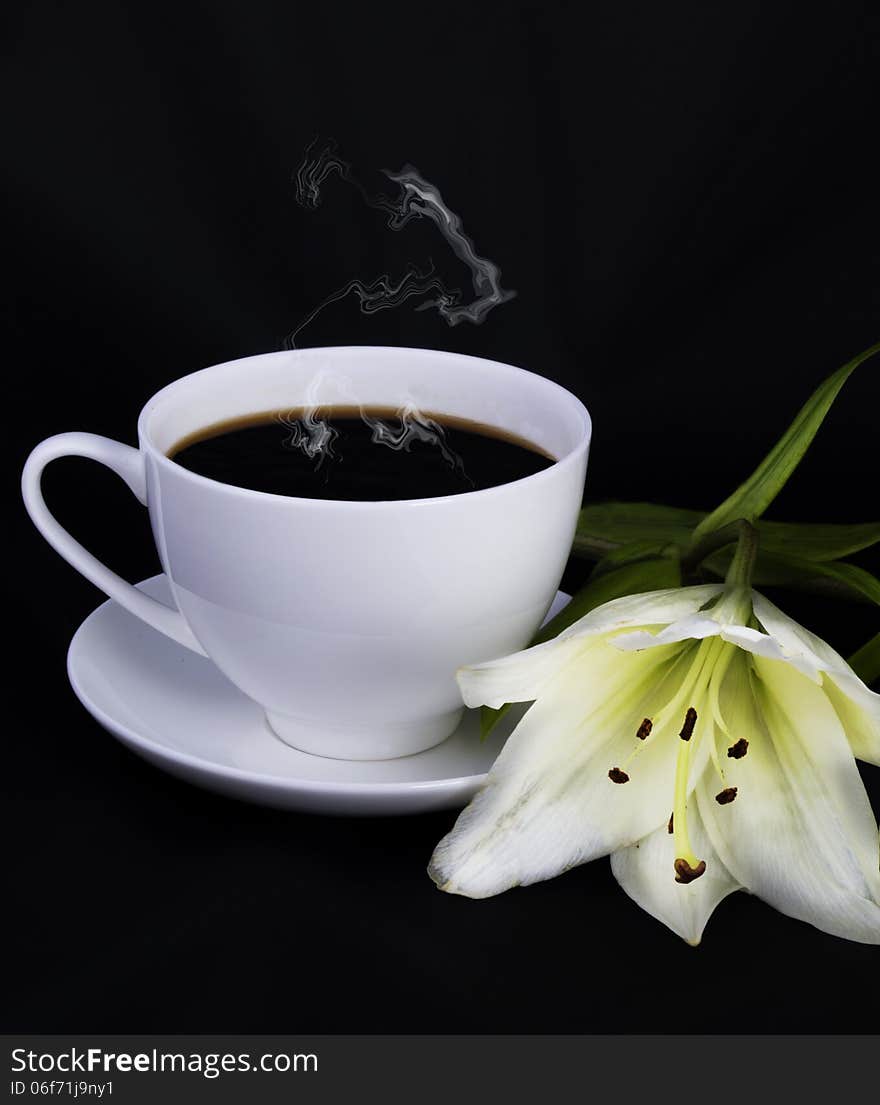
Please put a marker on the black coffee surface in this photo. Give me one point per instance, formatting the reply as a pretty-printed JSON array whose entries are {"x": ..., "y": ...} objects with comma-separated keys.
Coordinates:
[{"x": 335, "y": 453}]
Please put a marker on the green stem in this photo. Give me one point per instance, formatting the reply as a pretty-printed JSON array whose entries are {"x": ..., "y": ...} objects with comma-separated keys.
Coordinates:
[
  {"x": 709, "y": 543},
  {"x": 739, "y": 574}
]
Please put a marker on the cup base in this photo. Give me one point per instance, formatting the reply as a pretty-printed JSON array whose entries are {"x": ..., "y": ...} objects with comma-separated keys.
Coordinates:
[{"x": 385, "y": 742}]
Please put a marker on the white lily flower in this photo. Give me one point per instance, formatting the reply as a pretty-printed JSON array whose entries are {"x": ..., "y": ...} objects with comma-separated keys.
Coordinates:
[{"x": 704, "y": 703}]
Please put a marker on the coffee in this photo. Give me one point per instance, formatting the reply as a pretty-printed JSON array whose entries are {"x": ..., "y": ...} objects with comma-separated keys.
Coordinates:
[{"x": 349, "y": 454}]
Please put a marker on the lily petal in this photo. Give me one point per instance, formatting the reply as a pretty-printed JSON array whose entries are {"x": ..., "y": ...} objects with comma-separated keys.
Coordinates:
[
  {"x": 548, "y": 802},
  {"x": 652, "y": 608},
  {"x": 693, "y": 627},
  {"x": 520, "y": 677},
  {"x": 801, "y": 834},
  {"x": 859, "y": 715},
  {"x": 523, "y": 676},
  {"x": 856, "y": 704},
  {"x": 645, "y": 872},
  {"x": 762, "y": 644}
]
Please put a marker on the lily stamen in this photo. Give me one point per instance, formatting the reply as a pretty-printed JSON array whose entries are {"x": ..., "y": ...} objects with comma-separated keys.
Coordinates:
[
  {"x": 687, "y": 866},
  {"x": 738, "y": 750},
  {"x": 727, "y": 795},
  {"x": 698, "y": 667},
  {"x": 719, "y": 729},
  {"x": 690, "y": 720},
  {"x": 685, "y": 873}
]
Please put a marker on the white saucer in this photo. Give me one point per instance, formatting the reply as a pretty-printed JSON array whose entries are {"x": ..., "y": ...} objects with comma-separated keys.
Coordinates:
[{"x": 176, "y": 710}]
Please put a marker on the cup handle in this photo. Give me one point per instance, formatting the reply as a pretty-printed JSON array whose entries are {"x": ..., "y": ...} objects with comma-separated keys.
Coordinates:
[{"x": 127, "y": 463}]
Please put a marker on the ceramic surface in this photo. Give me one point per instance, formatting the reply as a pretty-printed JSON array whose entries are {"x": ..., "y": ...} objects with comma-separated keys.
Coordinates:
[{"x": 178, "y": 711}]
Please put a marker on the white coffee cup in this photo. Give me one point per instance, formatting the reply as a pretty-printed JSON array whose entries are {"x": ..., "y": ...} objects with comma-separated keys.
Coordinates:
[{"x": 345, "y": 621}]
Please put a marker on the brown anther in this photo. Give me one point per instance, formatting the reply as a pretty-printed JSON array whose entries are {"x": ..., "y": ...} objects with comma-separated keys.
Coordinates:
[
  {"x": 644, "y": 730},
  {"x": 618, "y": 776},
  {"x": 726, "y": 795},
  {"x": 738, "y": 750},
  {"x": 690, "y": 720},
  {"x": 685, "y": 873},
  {"x": 669, "y": 828}
]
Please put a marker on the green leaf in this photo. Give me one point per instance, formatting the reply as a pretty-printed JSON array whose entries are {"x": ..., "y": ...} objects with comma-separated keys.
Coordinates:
[
  {"x": 839, "y": 580},
  {"x": 866, "y": 661},
  {"x": 815, "y": 541},
  {"x": 752, "y": 498},
  {"x": 634, "y": 553},
  {"x": 604, "y": 528},
  {"x": 630, "y": 579}
]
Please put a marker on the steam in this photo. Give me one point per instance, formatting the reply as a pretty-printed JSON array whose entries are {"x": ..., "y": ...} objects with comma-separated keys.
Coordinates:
[
  {"x": 414, "y": 426},
  {"x": 421, "y": 199},
  {"x": 381, "y": 294},
  {"x": 311, "y": 435},
  {"x": 314, "y": 437},
  {"x": 306, "y": 431},
  {"x": 316, "y": 166},
  {"x": 417, "y": 198}
]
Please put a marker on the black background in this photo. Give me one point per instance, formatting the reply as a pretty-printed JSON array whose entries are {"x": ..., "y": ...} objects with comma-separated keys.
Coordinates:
[{"x": 684, "y": 198}]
